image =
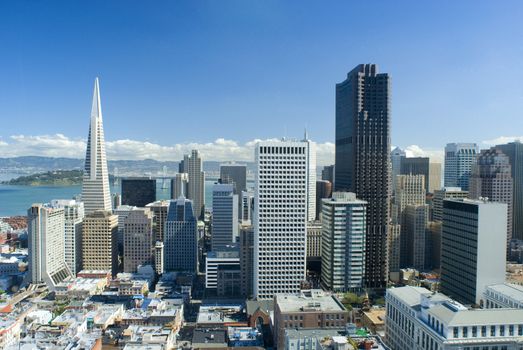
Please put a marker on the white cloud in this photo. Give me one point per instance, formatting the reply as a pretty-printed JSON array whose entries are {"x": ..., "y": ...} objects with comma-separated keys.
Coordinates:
[
  {"x": 435, "y": 155},
  {"x": 219, "y": 150},
  {"x": 502, "y": 139}
]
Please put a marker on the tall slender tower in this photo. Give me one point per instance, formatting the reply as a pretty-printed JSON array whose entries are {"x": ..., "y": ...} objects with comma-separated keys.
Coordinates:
[
  {"x": 192, "y": 165},
  {"x": 95, "y": 187},
  {"x": 363, "y": 158},
  {"x": 280, "y": 217}
]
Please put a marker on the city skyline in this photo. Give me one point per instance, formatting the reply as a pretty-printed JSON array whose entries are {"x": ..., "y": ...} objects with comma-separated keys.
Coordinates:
[{"x": 189, "y": 66}]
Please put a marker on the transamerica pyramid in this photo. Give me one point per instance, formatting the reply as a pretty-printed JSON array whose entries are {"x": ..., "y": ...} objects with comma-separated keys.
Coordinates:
[{"x": 95, "y": 187}]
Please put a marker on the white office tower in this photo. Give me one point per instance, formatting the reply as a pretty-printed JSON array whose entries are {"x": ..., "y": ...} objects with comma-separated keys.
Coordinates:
[
  {"x": 179, "y": 185},
  {"x": 247, "y": 206},
  {"x": 46, "y": 230},
  {"x": 473, "y": 248},
  {"x": 343, "y": 242},
  {"x": 138, "y": 239},
  {"x": 418, "y": 319},
  {"x": 74, "y": 216},
  {"x": 192, "y": 165},
  {"x": 158, "y": 258},
  {"x": 95, "y": 186},
  {"x": 311, "y": 176},
  {"x": 280, "y": 217},
  {"x": 459, "y": 159},
  {"x": 224, "y": 216}
]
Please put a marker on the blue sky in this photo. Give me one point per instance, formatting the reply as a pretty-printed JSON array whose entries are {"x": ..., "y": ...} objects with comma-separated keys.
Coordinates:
[{"x": 191, "y": 72}]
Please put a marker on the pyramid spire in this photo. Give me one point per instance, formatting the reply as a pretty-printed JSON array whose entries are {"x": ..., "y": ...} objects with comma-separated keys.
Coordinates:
[
  {"x": 95, "y": 189},
  {"x": 96, "y": 110}
]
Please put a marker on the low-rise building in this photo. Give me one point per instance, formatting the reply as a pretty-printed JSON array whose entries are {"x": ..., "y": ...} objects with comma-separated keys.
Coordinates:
[
  {"x": 244, "y": 336},
  {"x": 225, "y": 257},
  {"x": 143, "y": 337},
  {"x": 419, "y": 319},
  {"x": 330, "y": 339},
  {"x": 80, "y": 288},
  {"x": 209, "y": 338},
  {"x": 309, "y": 309},
  {"x": 374, "y": 320},
  {"x": 210, "y": 316},
  {"x": 504, "y": 295}
]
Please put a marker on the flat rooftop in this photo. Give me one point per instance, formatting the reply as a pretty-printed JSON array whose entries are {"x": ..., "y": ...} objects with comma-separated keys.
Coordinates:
[
  {"x": 512, "y": 291},
  {"x": 314, "y": 300}
]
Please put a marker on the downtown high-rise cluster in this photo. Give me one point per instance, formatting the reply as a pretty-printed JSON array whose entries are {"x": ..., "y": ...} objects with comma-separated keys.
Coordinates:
[{"x": 287, "y": 243}]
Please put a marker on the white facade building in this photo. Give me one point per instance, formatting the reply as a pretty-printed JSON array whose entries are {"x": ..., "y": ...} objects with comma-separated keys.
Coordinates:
[
  {"x": 473, "y": 248},
  {"x": 95, "y": 187},
  {"x": 280, "y": 217},
  {"x": 46, "y": 231},
  {"x": 74, "y": 216},
  {"x": 459, "y": 159},
  {"x": 158, "y": 258},
  {"x": 505, "y": 295},
  {"x": 418, "y": 319},
  {"x": 343, "y": 242}
]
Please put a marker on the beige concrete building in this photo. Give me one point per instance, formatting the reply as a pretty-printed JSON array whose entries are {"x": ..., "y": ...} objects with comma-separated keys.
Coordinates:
[
  {"x": 138, "y": 239},
  {"x": 314, "y": 239},
  {"x": 410, "y": 190},
  {"x": 99, "y": 243},
  {"x": 306, "y": 310},
  {"x": 434, "y": 177},
  {"x": 159, "y": 209}
]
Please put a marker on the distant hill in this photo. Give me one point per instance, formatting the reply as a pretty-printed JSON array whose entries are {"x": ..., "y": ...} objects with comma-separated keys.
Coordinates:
[
  {"x": 50, "y": 178},
  {"x": 35, "y": 164}
]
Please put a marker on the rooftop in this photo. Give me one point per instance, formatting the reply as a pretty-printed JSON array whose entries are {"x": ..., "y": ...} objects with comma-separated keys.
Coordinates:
[
  {"x": 512, "y": 291},
  {"x": 313, "y": 300},
  {"x": 453, "y": 317},
  {"x": 208, "y": 336}
]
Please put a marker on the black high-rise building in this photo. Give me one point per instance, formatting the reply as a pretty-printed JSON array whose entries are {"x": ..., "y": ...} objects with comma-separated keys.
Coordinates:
[
  {"x": 514, "y": 151},
  {"x": 363, "y": 158},
  {"x": 327, "y": 173},
  {"x": 416, "y": 166},
  {"x": 138, "y": 191},
  {"x": 323, "y": 190}
]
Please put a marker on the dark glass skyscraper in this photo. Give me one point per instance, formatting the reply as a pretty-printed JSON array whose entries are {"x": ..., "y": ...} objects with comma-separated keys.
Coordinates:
[
  {"x": 235, "y": 174},
  {"x": 514, "y": 152},
  {"x": 138, "y": 191},
  {"x": 363, "y": 158}
]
